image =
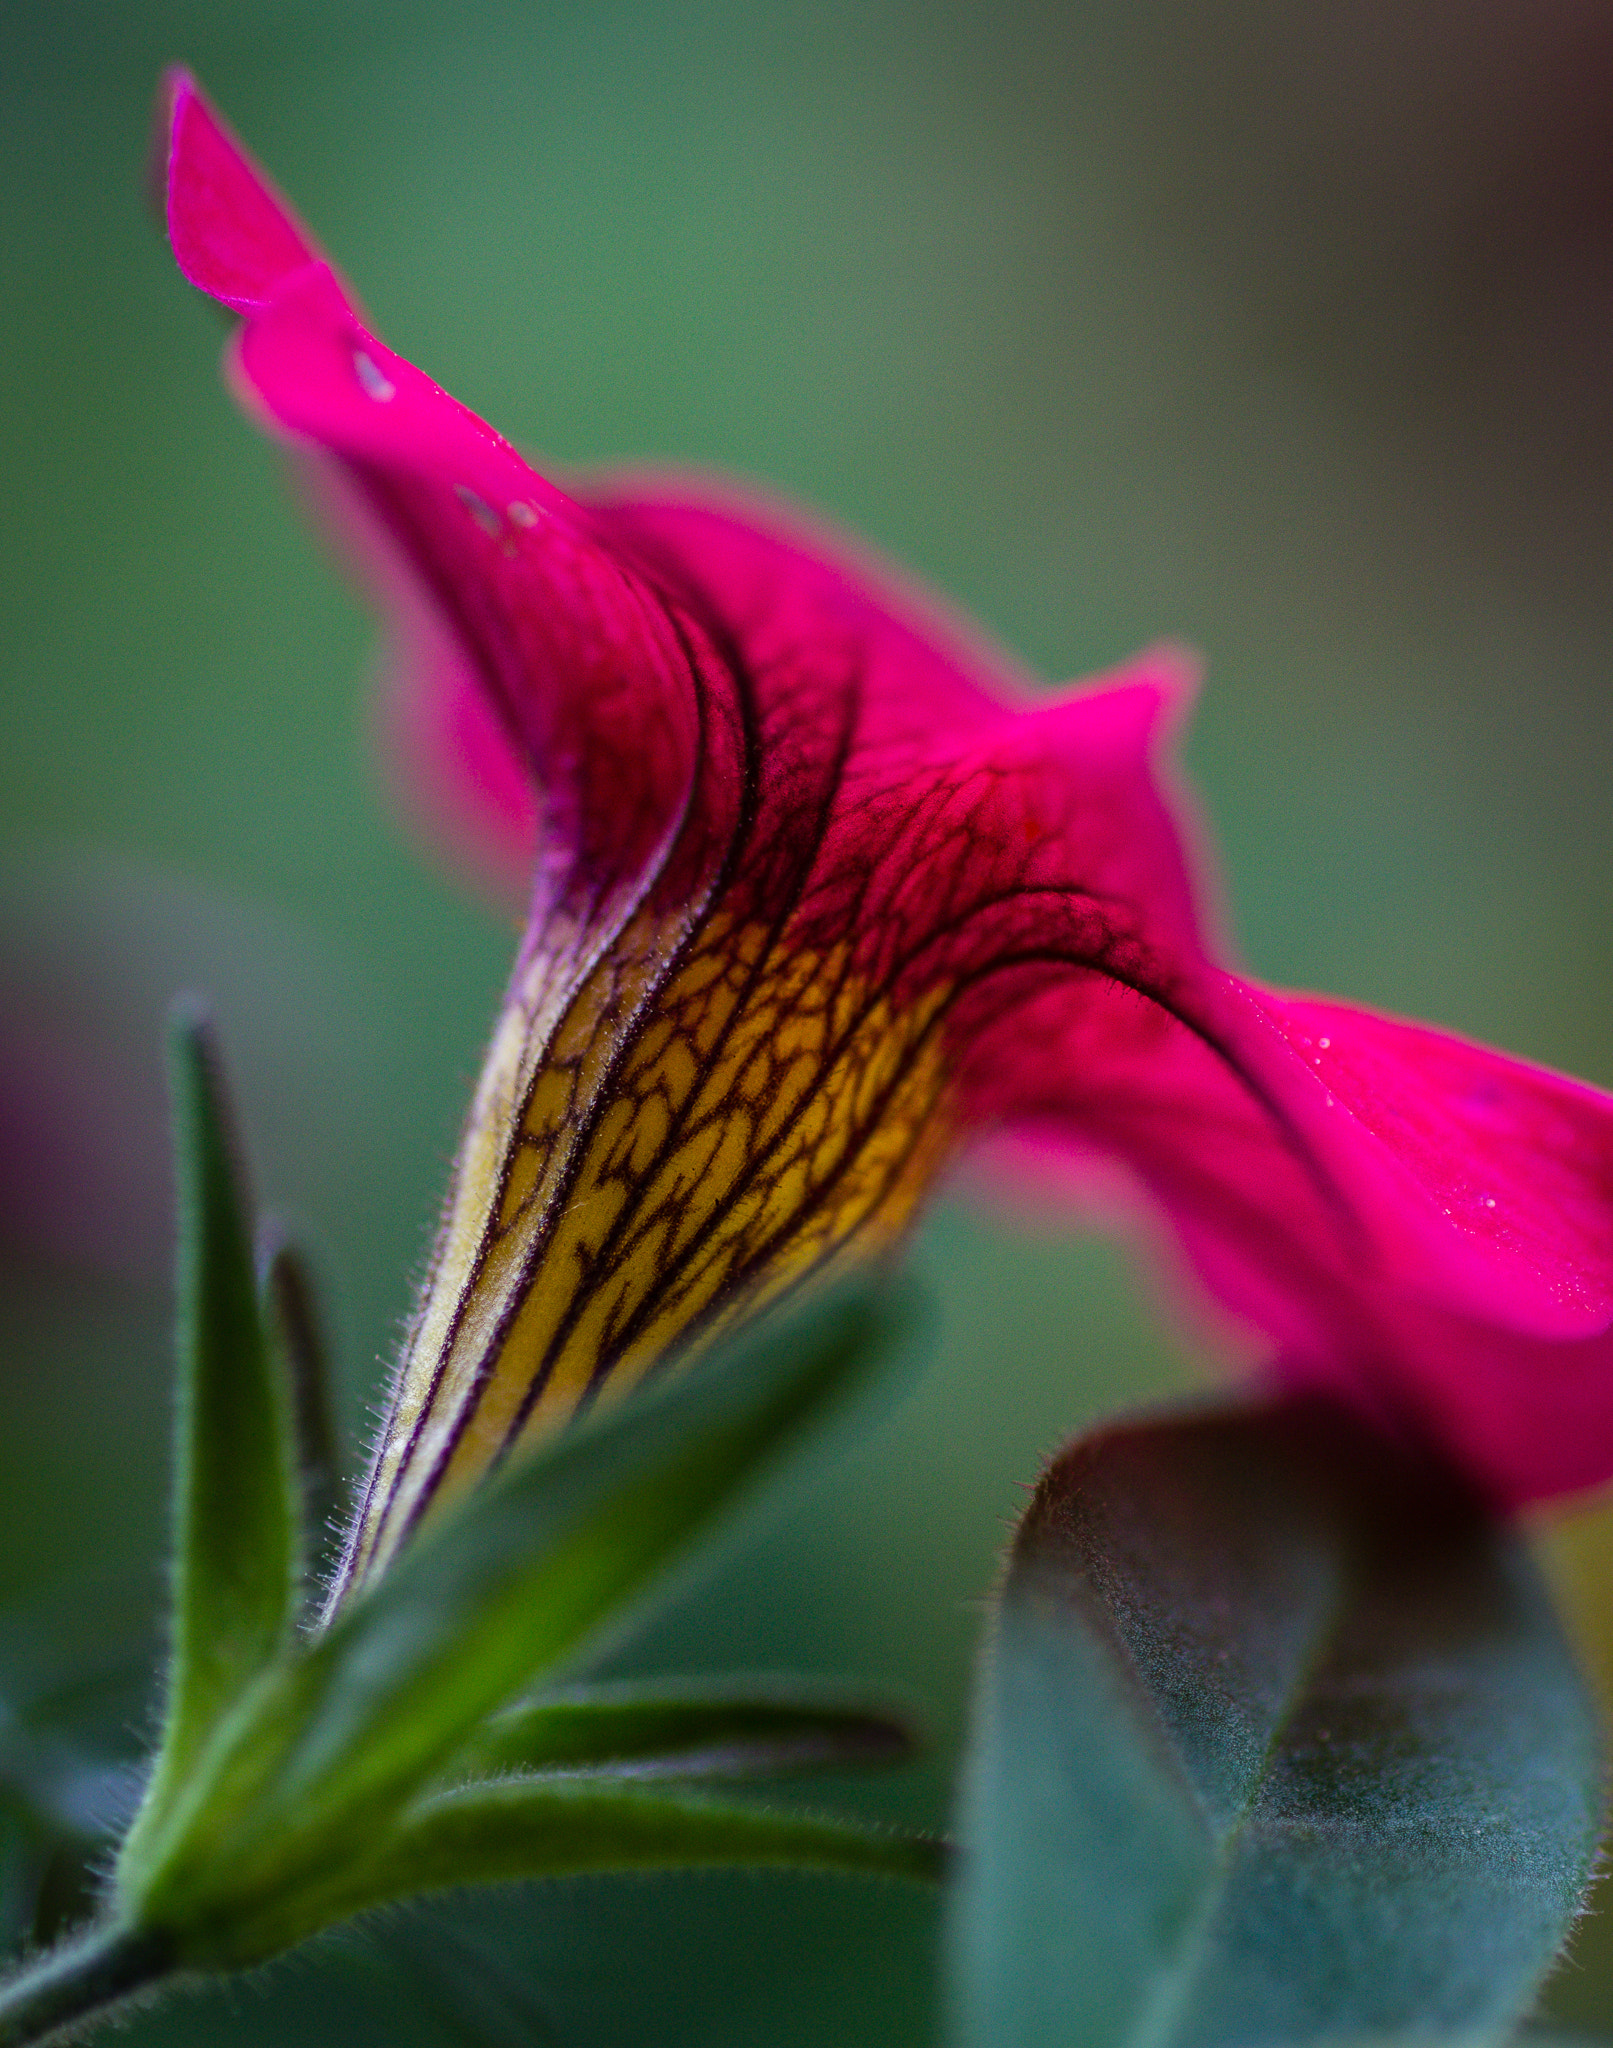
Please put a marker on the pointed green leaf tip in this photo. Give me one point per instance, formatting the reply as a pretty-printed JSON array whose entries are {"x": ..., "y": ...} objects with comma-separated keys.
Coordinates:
[
  {"x": 1280, "y": 1743},
  {"x": 236, "y": 1505},
  {"x": 296, "y": 1330},
  {"x": 334, "y": 1750}
]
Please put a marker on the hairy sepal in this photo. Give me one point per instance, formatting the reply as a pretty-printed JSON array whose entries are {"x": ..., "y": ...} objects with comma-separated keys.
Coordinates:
[
  {"x": 522, "y": 1829},
  {"x": 237, "y": 1508},
  {"x": 763, "y": 1729},
  {"x": 341, "y": 1736}
]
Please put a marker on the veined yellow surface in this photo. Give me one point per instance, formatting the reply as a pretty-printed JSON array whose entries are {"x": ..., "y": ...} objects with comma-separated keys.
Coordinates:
[{"x": 672, "y": 1149}]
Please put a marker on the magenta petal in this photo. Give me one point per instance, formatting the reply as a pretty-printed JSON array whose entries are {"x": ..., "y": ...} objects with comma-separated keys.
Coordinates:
[
  {"x": 956, "y": 818},
  {"x": 823, "y": 890},
  {"x": 1488, "y": 1182},
  {"x": 1410, "y": 1219},
  {"x": 453, "y": 771},
  {"x": 233, "y": 234},
  {"x": 796, "y": 598},
  {"x": 1525, "y": 1417},
  {"x": 618, "y": 703}
]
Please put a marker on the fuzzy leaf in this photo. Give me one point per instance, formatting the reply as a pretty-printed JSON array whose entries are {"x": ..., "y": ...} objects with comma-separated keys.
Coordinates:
[
  {"x": 296, "y": 1328},
  {"x": 662, "y": 1732},
  {"x": 1280, "y": 1743},
  {"x": 478, "y": 1607},
  {"x": 236, "y": 1537},
  {"x": 526, "y": 1828}
]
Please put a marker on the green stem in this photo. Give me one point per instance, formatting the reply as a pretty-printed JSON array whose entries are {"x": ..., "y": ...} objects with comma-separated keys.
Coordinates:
[{"x": 86, "y": 1978}]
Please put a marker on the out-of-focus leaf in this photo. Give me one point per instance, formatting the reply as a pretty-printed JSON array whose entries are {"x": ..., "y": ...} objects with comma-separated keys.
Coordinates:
[
  {"x": 480, "y": 1605},
  {"x": 75, "y": 1675},
  {"x": 658, "y": 1731},
  {"x": 529, "y": 1828},
  {"x": 441, "y": 1986},
  {"x": 77, "y": 1657},
  {"x": 1280, "y": 1743},
  {"x": 75, "y": 1678},
  {"x": 61, "y": 1789},
  {"x": 236, "y": 1537}
]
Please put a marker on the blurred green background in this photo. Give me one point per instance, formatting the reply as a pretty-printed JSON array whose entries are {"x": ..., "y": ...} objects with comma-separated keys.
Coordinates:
[{"x": 1282, "y": 330}]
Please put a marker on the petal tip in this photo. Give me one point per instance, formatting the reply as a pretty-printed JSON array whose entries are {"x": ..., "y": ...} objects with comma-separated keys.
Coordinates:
[
  {"x": 1176, "y": 672},
  {"x": 232, "y": 233},
  {"x": 175, "y": 83}
]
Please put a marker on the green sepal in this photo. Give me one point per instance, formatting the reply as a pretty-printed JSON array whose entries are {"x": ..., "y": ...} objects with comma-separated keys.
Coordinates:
[
  {"x": 481, "y": 1604},
  {"x": 1280, "y": 1743},
  {"x": 665, "y": 1731},
  {"x": 236, "y": 1507},
  {"x": 531, "y": 1828},
  {"x": 296, "y": 1328}
]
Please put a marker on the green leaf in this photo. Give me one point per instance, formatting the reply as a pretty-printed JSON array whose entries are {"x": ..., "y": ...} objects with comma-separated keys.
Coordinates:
[
  {"x": 236, "y": 1512},
  {"x": 528, "y": 1828},
  {"x": 432, "y": 1982},
  {"x": 666, "y": 1732},
  {"x": 1280, "y": 1743},
  {"x": 478, "y": 1607},
  {"x": 296, "y": 1329},
  {"x": 60, "y": 1790}
]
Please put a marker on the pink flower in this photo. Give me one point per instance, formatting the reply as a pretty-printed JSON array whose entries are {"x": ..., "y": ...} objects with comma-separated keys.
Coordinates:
[{"x": 819, "y": 893}]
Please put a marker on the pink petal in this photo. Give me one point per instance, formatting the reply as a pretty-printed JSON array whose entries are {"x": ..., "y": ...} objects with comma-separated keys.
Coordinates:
[
  {"x": 1525, "y": 1417},
  {"x": 955, "y": 817},
  {"x": 452, "y": 771},
  {"x": 709, "y": 699},
  {"x": 1411, "y": 1220},
  {"x": 619, "y": 704},
  {"x": 233, "y": 234},
  {"x": 1488, "y": 1182},
  {"x": 752, "y": 761}
]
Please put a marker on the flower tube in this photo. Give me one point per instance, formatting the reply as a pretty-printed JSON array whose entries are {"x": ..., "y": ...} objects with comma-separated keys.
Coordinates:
[{"x": 820, "y": 892}]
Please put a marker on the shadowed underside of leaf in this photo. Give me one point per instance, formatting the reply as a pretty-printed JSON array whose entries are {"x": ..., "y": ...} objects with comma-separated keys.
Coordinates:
[{"x": 1280, "y": 1743}]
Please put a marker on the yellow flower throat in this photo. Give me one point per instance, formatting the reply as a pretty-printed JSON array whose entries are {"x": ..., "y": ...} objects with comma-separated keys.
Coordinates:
[{"x": 639, "y": 1170}]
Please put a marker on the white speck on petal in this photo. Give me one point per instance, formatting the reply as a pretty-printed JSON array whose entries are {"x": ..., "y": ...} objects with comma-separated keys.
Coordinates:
[
  {"x": 521, "y": 513},
  {"x": 377, "y": 384}
]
